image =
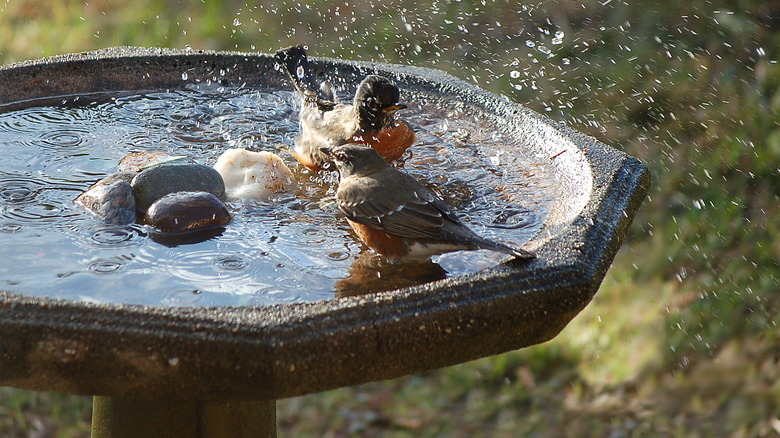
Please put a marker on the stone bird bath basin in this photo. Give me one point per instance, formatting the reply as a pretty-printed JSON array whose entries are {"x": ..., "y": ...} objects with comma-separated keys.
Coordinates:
[{"x": 216, "y": 371}]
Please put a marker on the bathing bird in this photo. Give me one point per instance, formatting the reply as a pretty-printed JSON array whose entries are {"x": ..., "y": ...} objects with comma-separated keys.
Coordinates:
[
  {"x": 394, "y": 214},
  {"x": 370, "y": 119}
]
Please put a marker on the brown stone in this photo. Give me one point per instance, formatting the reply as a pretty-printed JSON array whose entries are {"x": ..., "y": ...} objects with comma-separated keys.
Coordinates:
[{"x": 184, "y": 212}]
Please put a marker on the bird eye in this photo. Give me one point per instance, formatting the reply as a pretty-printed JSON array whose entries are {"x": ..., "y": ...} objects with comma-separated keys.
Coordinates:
[{"x": 372, "y": 102}]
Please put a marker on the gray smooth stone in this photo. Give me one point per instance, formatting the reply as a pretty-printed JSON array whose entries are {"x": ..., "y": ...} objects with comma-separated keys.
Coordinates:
[{"x": 158, "y": 181}]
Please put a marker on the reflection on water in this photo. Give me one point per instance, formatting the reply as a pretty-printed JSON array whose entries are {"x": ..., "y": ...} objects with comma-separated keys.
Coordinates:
[
  {"x": 295, "y": 247},
  {"x": 372, "y": 273}
]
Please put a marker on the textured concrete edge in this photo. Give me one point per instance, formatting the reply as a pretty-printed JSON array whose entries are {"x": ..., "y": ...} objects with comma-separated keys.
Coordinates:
[
  {"x": 315, "y": 346},
  {"x": 141, "y": 356}
]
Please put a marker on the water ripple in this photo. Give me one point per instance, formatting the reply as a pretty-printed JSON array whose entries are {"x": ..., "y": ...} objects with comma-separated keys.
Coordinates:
[
  {"x": 114, "y": 237},
  {"x": 10, "y": 227},
  {"x": 63, "y": 138},
  {"x": 106, "y": 266},
  {"x": 230, "y": 263},
  {"x": 19, "y": 190}
]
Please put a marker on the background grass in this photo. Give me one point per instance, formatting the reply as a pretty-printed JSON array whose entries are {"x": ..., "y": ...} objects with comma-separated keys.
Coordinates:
[{"x": 681, "y": 340}]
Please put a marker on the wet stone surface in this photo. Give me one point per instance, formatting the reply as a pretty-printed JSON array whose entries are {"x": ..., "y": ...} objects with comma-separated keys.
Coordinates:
[
  {"x": 184, "y": 212},
  {"x": 253, "y": 175},
  {"x": 138, "y": 161},
  {"x": 155, "y": 182},
  {"x": 112, "y": 199}
]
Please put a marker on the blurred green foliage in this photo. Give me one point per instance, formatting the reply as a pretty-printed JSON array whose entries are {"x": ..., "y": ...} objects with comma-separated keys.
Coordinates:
[{"x": 682, "y": 339}]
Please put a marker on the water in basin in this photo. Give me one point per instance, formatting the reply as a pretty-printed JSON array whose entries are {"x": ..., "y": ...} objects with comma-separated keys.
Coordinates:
[{"x": 295, "y": 247}]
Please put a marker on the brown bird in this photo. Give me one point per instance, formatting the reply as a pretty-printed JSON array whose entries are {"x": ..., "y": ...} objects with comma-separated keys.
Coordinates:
[
  {"x": 394, "y": 214},
  {"x": 369, "y": 119}
]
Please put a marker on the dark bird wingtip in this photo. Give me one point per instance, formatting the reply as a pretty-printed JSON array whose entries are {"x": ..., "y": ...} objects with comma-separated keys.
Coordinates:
[
  {"x": 292, "y": 52},
  {"x": 291, "y": 59},
  {"x": 523, "y": 254},
  {"x": 518, "y": 253}
]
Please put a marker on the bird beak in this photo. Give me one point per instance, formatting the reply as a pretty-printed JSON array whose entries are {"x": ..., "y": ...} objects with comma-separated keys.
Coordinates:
[
  {"x": 396, "y": 107},
  {"x": 327, "y": 151}
]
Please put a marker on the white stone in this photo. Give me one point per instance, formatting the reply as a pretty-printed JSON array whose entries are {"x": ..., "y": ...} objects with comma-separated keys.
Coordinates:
[{"x": 253, "y": 175}]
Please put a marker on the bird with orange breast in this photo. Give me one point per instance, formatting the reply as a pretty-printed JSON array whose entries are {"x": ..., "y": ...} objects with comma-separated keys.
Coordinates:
[
  {"x": 370, "y": 119},
  {"x": 395, "y": 215}
]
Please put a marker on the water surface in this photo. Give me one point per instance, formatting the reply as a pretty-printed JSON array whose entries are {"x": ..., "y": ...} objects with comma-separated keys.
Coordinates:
[{"x": 295, "y": 247}]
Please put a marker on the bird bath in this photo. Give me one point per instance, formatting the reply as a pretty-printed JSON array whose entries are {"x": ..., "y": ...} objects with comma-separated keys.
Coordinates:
[{"x": 215, "y": 369}]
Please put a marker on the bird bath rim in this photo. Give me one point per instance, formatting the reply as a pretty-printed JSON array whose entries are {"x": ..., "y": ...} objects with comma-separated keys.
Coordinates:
[{"x": 293, "y": 349}]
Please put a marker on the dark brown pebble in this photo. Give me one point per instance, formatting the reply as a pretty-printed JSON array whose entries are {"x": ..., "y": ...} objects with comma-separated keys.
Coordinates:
[{"x": 184, "y": 212}]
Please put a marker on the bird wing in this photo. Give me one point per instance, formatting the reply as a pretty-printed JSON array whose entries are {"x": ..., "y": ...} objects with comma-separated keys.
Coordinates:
[
  {"x": 296, "y": 65},
  {"x": 406, "y": 208}
]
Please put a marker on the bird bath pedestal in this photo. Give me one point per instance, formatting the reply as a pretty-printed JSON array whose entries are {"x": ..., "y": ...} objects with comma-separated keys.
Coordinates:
[{"x": 159, "y": 371}]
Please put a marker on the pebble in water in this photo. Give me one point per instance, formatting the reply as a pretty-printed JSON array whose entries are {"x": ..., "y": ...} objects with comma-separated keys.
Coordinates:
[
  {"x": 185, "y": 212},
  {"x": 253, "y": 175},
  {"x": 138, "y": 161},
  {"x": 155, "y": 182},
  {"x": 111, "y": 198}
]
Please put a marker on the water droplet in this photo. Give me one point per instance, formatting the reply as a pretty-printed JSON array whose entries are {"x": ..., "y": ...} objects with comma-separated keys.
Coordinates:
[
  {"x": 514, "y": 74},
  {"x": 462, "y": 134},
  {"x": 184, "y": 76},
  {"x": 236, "y": 22},
  {"x": 530, "y": 43},
  {"x": 339, "y": 256},
  {"x": 558, "y": 39}
]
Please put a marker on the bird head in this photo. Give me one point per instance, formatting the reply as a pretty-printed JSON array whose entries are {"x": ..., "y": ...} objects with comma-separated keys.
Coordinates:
[
  {"x": 377, "y": 100},
  {"x": 354, "y": 159}
]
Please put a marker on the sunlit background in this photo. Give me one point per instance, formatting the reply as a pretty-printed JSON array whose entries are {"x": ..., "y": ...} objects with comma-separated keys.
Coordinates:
[{"x": 681, "y": 340}]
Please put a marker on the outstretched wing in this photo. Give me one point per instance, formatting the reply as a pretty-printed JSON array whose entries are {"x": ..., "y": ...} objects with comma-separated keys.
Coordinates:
[{"x": 296, "y": 64}]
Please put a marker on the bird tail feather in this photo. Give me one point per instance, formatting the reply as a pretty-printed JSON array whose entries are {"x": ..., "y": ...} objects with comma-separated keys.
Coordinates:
[{"x": 500, "y": 247}]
